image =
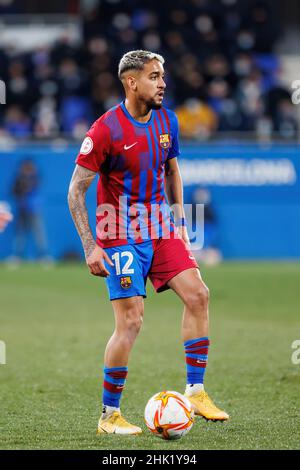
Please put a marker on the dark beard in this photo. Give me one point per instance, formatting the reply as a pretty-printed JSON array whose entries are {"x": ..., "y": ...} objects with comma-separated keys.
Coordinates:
[
  {"x": 156, "y": 106},
  {"x": 152, "y": 105}
]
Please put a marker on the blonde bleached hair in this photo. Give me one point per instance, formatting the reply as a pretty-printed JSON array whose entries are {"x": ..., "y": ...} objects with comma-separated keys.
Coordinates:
[{"x": 135, "y": 60}]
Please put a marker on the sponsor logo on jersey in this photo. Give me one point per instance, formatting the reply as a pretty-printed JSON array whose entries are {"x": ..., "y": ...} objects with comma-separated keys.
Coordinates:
[
  {"x": 126, "y": 282},
  {"x": 127, "y": 147},
  {"x": 164, "y": 140}
]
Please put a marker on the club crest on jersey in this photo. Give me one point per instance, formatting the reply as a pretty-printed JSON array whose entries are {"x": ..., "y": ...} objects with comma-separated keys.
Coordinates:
[
  {"x": 164, "y": 140},
  {"x": 126, "y": 282}
]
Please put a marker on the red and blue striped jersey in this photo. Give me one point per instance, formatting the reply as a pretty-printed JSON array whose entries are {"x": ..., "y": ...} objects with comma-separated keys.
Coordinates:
[{"x": 130, "y": 158}]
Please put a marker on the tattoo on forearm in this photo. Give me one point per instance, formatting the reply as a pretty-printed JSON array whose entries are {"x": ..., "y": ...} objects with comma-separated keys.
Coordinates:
[{"x": 80, "y": 182}]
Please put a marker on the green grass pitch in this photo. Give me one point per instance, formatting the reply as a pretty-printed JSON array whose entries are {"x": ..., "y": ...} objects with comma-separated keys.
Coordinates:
[{"x": 55, "y": 324}]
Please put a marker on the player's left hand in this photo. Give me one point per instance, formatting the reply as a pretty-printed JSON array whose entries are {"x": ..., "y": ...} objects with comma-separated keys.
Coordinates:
[{"x": 183, "y": 233}]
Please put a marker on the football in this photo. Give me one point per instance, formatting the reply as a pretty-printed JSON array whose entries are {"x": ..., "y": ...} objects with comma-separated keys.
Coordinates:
[{"x": 169, "y": 415}]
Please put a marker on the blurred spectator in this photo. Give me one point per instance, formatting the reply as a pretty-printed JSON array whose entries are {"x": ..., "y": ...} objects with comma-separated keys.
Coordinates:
[
  {"x": 18, "y": 85},
  {"x": 46, "y": 124},
  {"x": 250, "y": 98},
  {"x": 16, "y": 122},
  {"x": 282, "y": 112},
  {"x": 196, "y": 119},
  {"x": 285, "y": 122},
  {"x": 25, "y": 191}
]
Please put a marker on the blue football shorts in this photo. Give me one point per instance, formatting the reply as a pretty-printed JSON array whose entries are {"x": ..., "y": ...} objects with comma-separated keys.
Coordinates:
[{"x": 159, "y": 259}]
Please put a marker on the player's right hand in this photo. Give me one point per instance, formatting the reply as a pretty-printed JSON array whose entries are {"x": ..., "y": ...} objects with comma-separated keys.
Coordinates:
[
  {"x": 95, "y": 262},
  {"x": 5, "y": 217}
]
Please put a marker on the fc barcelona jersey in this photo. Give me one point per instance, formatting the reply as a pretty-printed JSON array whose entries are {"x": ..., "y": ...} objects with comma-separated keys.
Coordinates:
[{"x": 130, "y": 158}]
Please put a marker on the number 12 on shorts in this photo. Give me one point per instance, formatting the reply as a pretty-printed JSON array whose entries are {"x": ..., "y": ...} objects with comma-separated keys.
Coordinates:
[{"x": 126, "y": 268}]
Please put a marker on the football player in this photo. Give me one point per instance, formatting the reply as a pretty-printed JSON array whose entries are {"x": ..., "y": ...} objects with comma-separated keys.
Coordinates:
[{"x": 133, "y": 148}]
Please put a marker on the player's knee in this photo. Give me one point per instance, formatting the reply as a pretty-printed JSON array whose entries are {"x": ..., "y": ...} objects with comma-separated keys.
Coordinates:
[
  {"x": 134, "y": 321},
  {"x": 198, "y": 298}
]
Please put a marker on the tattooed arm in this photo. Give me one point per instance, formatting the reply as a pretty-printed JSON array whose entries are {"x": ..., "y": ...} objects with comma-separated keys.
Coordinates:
[{"x": 94, "y": 255}]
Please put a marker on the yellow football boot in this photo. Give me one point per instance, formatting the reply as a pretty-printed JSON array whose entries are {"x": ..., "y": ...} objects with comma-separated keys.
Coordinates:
[
  {"x": 116, "y": 424},
  {"x": 205, "y": 407}
]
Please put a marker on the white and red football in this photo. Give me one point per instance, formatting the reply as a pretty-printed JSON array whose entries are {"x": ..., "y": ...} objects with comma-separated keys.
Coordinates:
[{"x": 169, "y": 415}]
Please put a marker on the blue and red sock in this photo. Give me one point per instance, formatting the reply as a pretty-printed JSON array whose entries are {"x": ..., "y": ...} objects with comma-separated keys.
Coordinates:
[
  {"x": 196, "y": 354},
  {"x": 113, "y": 385}
]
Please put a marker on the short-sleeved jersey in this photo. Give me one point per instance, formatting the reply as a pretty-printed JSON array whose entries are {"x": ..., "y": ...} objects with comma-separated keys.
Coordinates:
[{"x": 130, "y": 158}]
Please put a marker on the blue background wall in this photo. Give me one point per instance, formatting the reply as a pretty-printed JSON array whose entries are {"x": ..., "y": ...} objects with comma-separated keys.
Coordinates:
[{"x": 257, "y": 219}]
